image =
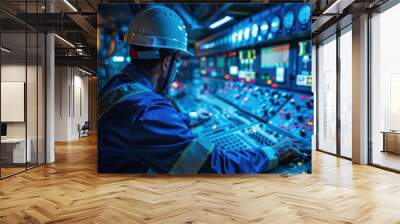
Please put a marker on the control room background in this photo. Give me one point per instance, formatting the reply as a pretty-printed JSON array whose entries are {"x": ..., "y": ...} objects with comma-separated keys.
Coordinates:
[{"x": 251, "y": 71}]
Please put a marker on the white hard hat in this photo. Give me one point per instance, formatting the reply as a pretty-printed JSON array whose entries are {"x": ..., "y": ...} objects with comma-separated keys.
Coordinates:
[{"x": 158, "y": 27}]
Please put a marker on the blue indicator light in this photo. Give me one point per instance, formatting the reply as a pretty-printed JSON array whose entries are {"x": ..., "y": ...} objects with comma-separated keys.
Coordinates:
[
  {"x": 304, "y": 14},
  {"x": 288, "y": 20},
  {"x": 118, "y": 59},
  {"x": 254, "y": 30},
  {"x": 275, "y": 24},
  {"x": 124, "y": 29},
  {"x": 246, "y": 33},
  {"x": 264, "y": 28},
  {"x": 240, "y": 35},
  {"x": 234, "y": 37}
]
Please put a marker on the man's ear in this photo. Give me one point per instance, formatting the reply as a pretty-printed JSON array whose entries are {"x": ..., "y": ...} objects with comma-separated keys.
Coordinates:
[{"x": 165, "y": 64}]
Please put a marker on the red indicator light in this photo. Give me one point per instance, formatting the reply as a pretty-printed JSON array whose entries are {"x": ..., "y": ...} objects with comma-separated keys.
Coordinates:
[
  {"x": 175, "y": 85},
  {"x": 274, "y": 85}
]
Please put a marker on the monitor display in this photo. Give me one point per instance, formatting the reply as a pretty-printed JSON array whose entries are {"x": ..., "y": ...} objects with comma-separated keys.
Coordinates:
[
  {"x": 247, "y": 75},
  {"x": 272, "y": 57},
  {"x": 232, "y": 63},
  {"x": 203, "y": 65},
  {"x": 221, "y": 62},
  {"x": 304, "y": 80},
  {"x": 233, "y": 70},
  {"x": 280, "y": 74}
]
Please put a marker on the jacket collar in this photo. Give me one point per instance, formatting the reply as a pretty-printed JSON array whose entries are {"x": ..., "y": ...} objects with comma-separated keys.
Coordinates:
[{"x": 137, "y": 76}]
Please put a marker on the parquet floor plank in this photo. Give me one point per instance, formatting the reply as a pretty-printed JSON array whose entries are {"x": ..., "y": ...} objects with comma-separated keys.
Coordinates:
[{"x": 71, "y": 191}]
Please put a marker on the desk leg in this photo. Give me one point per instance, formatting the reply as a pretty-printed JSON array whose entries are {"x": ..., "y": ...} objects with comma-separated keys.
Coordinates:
[{"x": 384, "y": 143}]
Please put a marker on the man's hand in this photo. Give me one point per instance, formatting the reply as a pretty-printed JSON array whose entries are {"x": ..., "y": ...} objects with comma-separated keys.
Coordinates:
[{"x": 287, "y": 148}]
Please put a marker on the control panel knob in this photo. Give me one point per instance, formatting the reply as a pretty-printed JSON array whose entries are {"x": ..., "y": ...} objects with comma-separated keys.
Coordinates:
[
  {"x": 300, "y": 118},
  {"x": 272, "y": 100},
  {"x": 303, "y": 133}
]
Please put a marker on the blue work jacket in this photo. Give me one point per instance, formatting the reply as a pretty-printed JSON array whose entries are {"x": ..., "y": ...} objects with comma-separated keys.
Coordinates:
[{"x": 143, "y": 132}]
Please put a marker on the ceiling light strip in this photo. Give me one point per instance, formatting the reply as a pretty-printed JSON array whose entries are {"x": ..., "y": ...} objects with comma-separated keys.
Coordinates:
[
  {"x": 65, "y": 41},
  {"x": 5, "y": 50},
  {"x": 70, "y": 5}
]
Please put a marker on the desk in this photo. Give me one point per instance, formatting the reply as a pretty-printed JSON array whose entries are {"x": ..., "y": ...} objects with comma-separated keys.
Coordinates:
[
  {"x": 391, "y": 141},
  {"x": 13, "y": 150}
]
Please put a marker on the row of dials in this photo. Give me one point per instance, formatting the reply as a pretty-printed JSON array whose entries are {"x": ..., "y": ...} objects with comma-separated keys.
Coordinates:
[{"x": 260, "y": 32}]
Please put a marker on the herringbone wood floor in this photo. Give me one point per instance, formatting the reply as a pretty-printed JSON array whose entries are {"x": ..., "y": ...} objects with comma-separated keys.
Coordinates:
[{"x": 71, "y": 191}]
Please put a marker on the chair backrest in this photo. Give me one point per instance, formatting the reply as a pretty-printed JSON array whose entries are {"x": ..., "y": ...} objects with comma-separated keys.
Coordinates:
[{"x": 86, "y": 125}]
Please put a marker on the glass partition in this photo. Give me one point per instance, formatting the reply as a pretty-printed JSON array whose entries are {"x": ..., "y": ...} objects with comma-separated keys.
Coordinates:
[
  {"x": 32, "y": 97},
  {"x": 41, "y": 96},
  {"x": 346, "y": 93},
  {"x": 385, "y": 89},
  {"x": 22, "y": 90},
  {"x": 15, "y": 149},
  {"x": 327, "y": 95}
]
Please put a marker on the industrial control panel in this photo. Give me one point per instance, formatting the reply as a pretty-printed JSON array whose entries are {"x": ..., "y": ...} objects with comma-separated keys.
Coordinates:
[{"x": 255, "y": 79}]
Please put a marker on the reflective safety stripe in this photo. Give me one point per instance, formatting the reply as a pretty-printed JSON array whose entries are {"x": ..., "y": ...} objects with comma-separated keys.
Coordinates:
[
  {"x": 117, "y": 95},
  {"x": 193, "y": 158}
]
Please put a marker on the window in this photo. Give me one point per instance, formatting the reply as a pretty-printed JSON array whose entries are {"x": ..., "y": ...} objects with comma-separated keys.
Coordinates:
[
  {"x": 327, "y": 96},
  {"x": 385, "y": 87},
  {"x": 346, "y": 93}
]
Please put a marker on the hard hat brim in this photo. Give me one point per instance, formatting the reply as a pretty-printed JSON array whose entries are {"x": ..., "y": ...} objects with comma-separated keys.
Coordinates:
[
  {"x": 188, "y": 53},
  {"x": 152, "y": 41}
]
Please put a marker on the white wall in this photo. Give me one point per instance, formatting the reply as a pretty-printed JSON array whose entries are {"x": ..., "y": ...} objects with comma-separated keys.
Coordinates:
[
  {"x": 71, "y": 94},
  {"x": 62, "y": 82}
]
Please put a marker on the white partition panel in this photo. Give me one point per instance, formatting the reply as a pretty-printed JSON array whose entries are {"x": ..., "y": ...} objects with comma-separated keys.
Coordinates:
[{"x": 12, "y": 101}]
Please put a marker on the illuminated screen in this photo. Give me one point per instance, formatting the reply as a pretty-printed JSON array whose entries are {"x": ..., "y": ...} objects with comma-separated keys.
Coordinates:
[
  {"x": 233, "y": 70},
  {"x": 203, "y": 65},
  {"x": 304, "y": 80},
  {"x": 247, "y": 75},
  {"x": 210, "y": 62},
  {"x": 247, "y": 55},
  {"x": 272, "y": 57},
  {"x": 220, "y": 62},
  {"x": 280, "y": 74},
  {"x": 232, "y": 63}
]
